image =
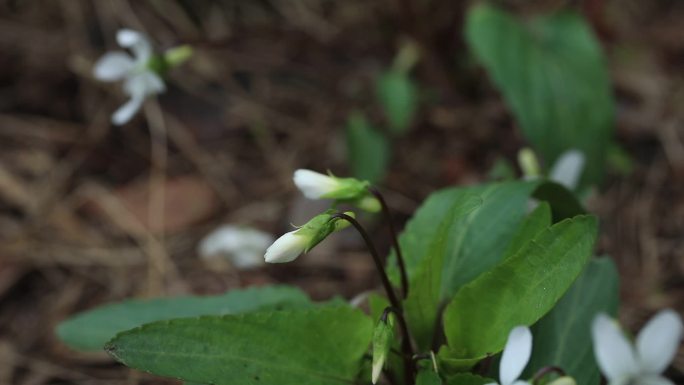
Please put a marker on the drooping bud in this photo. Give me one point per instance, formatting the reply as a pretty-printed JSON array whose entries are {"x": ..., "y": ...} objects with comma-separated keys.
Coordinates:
[
  {"x": 383, "y": 335},
  {"x": 315, "y": 185},
  {"x": 286, "y": 248},
  {"x": 289, "y": 246}
]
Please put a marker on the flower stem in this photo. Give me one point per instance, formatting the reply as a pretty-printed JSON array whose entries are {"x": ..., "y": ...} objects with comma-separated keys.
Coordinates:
[
  {"x": 406, "y": 348},
  {"x": 391, "y": 295},
  {"x": 395, "y": 240}
]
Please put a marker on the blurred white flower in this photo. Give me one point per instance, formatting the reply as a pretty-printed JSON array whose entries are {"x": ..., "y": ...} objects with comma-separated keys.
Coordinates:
[
  {"x": 243, "y": 246},
  {"x": 623, "y": 362},
  {"x": 568, "y": 169},
  {"x": 515, "y": 356},
  {"x": 287, "y": 248},
  {"x": 315, "y": 185},
  {"x": 140, "y": 80}
]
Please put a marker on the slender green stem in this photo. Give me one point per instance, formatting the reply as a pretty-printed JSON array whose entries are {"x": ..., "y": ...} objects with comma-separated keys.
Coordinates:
[
  {"x": 395, "y": 240},
  {"x": 406, "y": 348}
]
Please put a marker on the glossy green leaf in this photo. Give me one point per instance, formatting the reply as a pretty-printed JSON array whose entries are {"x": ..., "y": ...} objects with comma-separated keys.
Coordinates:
[
  {"x": 368, "y": 151},
  {"x": 518, "y": 291},
  {"x": 476, "y": 242},
  {"x": 536, "y": 222},
  {"x": 553, "y": 75},
  {"x": 423, "y": 301},
  {"x": 563, "y": 337},
  {"x": 398, "y": 96},
  {"x": 322, "y": 346},
  {"x": 480, "y": 239},
  {"x": 91, "y": 329}
]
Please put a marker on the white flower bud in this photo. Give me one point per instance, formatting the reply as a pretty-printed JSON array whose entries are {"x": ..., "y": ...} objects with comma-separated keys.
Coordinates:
[
  {"x": 315, "y": 185},
  {"x": 287, "y": 248}
]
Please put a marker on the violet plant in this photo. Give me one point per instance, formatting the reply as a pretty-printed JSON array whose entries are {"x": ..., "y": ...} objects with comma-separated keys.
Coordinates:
[{"x": 476, "y": 287}]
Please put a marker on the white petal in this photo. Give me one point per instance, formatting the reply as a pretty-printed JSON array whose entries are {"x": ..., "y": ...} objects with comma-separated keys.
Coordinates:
[
  {"x": 521, "y": 382},
  {"x": 286, "y": 248},
  {"x": 126, "y": 112},
  {"x": 614, "y": 353},
  {"x": 516, "y": 354},
  {"x": 113, "y": 66},
  {"x": 137, "y": 42},
  {"x": 568, "y": 169},
  {"x": 144, "y": 83},
  {"x": 314, "y": 185},
  {"x": 658, "y": 341}
]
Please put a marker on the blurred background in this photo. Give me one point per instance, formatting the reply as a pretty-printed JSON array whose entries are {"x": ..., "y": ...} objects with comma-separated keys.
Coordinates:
[{"x": 92, "y": 213}]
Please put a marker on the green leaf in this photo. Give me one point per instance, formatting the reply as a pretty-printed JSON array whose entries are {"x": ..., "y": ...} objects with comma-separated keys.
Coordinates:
[
  {"x": 479, "y": 240},
  {"x": 368, "y": 150},
  {"x": 91, "y": 329},
  {"x": 428, "y": 377},
  {"x": 468, "y": 379},
  {"x": 518, "y": 291},
  {"x": 563, "y": 337},
  {"x": 554, "y": 77},
  {"x": 476, "y": 242},
  {"x": 398, "y": 96},
  {"x": 320, "y": 346},
  {"x": 538, "y": 221},
  {"x": 422, "y": 303}
]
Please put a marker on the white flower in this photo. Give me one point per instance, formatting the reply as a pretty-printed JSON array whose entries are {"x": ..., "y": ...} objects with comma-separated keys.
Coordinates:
[
  {"x": 623, "y": 362},
  {"x": 243, "y": 246},
  {"x": 139, "y": 80},
  {"x": 568, "y": 169},
  {"x": 287, "y": 248},
  {"x": 515, "y": 356},
  {"x": 315, "y": 185}
]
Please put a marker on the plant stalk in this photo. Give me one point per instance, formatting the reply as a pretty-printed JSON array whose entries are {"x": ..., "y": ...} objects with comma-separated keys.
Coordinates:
[
  {"x": 406, "y": 348},
  {"x": 391, "y": 295},
  {"x": 395, "y": 240}
]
